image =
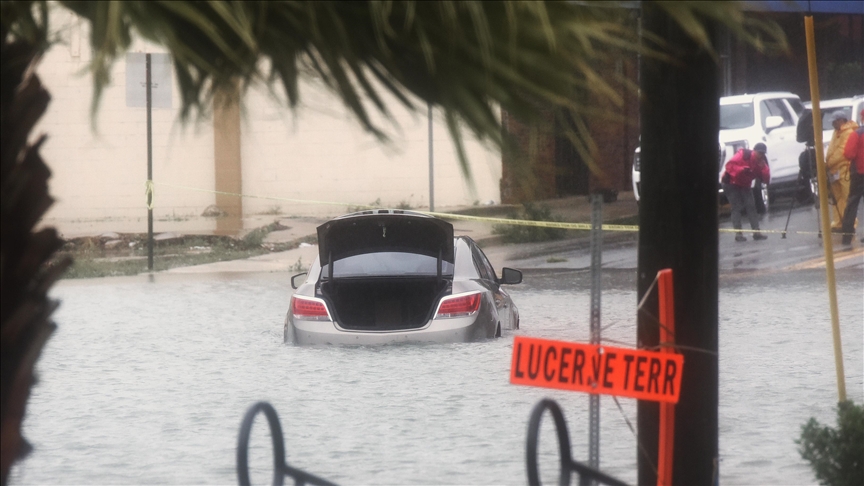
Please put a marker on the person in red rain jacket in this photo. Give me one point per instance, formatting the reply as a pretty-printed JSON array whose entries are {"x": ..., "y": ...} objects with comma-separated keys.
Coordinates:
[
  {"x": 739, "y": 173},
  {"x": 854, "y": 151}
]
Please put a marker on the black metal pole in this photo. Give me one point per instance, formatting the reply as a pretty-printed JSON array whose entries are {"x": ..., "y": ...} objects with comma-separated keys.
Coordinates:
[
  {"x": 596, "y": 292},
  {"x": 789, "y": 216},
  {"x": 149, "y": 168},
  {"x": 678, "y": 230},
  {"x": 431, "y": 165}
]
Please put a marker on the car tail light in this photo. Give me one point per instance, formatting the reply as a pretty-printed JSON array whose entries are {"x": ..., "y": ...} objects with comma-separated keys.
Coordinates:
[
  {"x": 309, "y": 309},
  {"x": 458, "y": 305}
]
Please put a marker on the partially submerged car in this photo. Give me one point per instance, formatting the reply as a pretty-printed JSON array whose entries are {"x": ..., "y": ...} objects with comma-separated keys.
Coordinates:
[{"x": 390, "y": 276}]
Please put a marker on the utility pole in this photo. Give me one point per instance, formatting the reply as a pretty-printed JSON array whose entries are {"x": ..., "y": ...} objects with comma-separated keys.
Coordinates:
[{"x": 678, "y": 230}]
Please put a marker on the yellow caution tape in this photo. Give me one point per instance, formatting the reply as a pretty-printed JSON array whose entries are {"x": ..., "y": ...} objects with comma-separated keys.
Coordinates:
[
  {"x": 524, "y": 222},
  {"x": 463, "y": 217},
  {"x": 148, "y": 192}
]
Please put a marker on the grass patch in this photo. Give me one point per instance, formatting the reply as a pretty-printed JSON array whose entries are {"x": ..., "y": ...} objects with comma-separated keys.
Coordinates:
[
  {"x": 556, "y": 260},
  {"x": 256, "y": 236},
  {"x": 127, "y": 255},
  {"x": 84, "y": 267},
  {"x": 272, "y": 211}
]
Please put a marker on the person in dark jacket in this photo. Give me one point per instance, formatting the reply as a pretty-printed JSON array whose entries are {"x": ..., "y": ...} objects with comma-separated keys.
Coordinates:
[
  {"x": 854, "y": 151},
  {"x": 739, "y": 173}
]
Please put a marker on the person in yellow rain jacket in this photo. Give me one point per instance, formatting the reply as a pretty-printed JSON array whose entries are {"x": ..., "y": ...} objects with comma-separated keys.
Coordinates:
[{"x": 838, "y": 166}]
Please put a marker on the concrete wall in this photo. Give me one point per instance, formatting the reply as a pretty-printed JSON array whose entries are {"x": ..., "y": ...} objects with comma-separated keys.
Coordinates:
[
  {"x": 99, "y": 171},
  {"x": 318, "y": 153}
]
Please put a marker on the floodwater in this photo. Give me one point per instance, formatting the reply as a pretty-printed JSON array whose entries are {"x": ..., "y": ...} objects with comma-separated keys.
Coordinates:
[{"x": 147, "y": 379}]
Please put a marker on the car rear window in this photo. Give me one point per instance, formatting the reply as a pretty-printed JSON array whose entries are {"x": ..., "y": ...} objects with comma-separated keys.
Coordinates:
[
  {"x": 388, "y": 264},
  {"x": 736, "y": 116}
]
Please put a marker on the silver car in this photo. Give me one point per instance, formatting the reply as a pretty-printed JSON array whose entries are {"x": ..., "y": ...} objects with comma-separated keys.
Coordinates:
[{"x": 392, "y": 276}]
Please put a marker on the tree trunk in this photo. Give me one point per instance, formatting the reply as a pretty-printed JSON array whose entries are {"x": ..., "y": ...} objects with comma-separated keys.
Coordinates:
[{"x": 678, "y": 230}]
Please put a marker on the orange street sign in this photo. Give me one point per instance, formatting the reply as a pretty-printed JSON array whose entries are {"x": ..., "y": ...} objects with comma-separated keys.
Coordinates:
[{"x": 591, "y": 368}]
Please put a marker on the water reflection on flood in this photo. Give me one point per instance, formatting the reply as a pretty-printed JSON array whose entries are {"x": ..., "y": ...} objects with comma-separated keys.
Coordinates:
[{"x": 146, "y": 382}]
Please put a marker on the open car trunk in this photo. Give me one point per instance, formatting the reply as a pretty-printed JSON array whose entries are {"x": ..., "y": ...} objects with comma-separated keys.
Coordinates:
[
  {"x": 381, "y": 304},
  {"x": 385, "y": 269}
]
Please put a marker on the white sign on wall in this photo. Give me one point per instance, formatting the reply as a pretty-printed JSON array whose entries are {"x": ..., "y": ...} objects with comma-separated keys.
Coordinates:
[{"x": 136, "y": 80}]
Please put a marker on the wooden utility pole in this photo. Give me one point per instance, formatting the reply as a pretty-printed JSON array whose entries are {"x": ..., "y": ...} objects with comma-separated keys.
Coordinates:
[{"x": 678, "y": 230}]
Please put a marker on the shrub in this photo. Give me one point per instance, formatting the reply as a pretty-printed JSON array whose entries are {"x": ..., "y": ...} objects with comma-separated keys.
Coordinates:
[
  {"x": 512, "y": 233},
  {"x": 836, "y": 455}
]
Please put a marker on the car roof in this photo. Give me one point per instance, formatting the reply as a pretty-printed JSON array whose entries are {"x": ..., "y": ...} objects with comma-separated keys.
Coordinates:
[{"x": 748, "y": 98}]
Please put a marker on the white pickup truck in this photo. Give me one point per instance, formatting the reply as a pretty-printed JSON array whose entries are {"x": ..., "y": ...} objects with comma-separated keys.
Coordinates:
[{"x": 745, "y": 120}]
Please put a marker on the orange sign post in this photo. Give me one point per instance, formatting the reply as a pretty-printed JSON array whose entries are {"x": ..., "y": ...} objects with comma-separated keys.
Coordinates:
[
  {"x": 591, "y": 368},
  {"x": 666, "y": 443}
]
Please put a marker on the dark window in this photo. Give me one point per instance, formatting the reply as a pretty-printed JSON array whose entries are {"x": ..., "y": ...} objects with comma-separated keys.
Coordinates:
[
  {"x": 736, "y": 116},
  {"x": 384, "y": 264},
  {"x": 778, "y": 108},
  {"x": 796, "y": 105},
  {"x": 775, "y": 108},
  {"x": 483, "y": 265}
]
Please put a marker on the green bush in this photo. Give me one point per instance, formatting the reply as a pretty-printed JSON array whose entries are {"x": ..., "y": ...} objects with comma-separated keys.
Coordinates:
[
  {"x": 836, "y": 455},
  {"x": 511, "y": 233}
]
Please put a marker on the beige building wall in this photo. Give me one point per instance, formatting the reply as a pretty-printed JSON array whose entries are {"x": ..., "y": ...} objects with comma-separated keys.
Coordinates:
[
  {"x": 321, "y": 154},
  {"x": 99, "y": 166},
  {"x": 318, "y": 153}
]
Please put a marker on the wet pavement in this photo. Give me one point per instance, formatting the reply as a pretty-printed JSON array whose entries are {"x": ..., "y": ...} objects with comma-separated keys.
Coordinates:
[{"x": 802, "y": 248}]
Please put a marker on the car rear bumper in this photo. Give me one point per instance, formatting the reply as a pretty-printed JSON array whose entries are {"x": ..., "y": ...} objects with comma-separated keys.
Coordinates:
[{"x": 455, "y": 330}]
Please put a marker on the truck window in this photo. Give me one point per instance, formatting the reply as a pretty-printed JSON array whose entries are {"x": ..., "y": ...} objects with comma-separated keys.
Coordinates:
[{"x": 796, "y": 106}]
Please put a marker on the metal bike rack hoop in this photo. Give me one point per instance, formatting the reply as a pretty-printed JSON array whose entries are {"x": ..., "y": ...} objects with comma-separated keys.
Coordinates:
[
  {"x": 568, "y": 466},
  {"x": 280, "y": 467}
]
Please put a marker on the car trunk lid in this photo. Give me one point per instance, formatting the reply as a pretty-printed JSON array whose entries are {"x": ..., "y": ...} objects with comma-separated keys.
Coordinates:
[{"x": 385, "y": 231}]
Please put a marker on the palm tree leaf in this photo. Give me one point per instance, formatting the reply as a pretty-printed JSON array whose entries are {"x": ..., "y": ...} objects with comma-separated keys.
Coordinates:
[{"x": 464, "y": 57}]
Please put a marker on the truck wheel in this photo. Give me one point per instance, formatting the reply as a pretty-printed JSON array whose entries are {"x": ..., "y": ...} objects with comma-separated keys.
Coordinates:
[{"x": 760, "y": 198}]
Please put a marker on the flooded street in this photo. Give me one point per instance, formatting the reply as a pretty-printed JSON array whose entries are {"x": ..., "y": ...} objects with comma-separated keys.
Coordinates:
[{"x": 146, "y": 381}]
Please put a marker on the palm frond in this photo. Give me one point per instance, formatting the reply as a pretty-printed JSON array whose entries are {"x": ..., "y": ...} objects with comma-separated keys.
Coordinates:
[{"x": 467, "y": 58}]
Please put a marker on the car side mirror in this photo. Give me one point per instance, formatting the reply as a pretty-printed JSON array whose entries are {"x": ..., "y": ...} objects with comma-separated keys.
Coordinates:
[
  {"x": 510, "y": 276},
  {"x": 773, "y": 122},
  {"x": 294, "y": 284}
]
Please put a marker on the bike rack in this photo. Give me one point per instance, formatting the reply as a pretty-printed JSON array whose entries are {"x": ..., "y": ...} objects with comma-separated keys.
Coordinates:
[
  {"x": 280, "y": 467},
  {"x": 587, "y": 474}
]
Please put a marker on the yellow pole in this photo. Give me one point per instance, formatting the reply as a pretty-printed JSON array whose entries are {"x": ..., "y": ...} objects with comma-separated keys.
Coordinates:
[{"x": 821, "y": 175}]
